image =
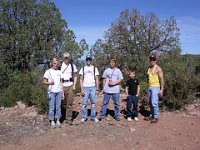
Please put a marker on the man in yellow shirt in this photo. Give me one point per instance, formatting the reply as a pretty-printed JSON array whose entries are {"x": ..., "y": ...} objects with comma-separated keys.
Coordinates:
[{"x": 156, "y": 87}]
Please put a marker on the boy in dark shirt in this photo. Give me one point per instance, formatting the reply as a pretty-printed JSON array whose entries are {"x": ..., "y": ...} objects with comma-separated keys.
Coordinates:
[{"x": 132, "y": 90}]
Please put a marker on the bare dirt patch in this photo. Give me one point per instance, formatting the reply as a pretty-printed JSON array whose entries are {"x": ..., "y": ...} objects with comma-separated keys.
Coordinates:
[{"x": 23, "y": 128}]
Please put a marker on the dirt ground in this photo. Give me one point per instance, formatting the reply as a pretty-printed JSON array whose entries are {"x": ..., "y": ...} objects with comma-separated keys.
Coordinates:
[{"x": 21, "y": 128}]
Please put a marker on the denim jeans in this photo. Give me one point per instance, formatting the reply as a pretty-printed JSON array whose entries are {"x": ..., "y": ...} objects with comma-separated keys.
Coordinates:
[
  {"x": 55, "y": 101},
  {"x": 90, "y": 92},
  {"x": 153, "y": 101},
  {"x": 132, "y": 100},
  {"x": 106, "y": 99}
]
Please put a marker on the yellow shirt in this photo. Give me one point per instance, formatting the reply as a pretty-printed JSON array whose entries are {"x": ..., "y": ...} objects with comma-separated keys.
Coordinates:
[{"x": 153, "y": 78}]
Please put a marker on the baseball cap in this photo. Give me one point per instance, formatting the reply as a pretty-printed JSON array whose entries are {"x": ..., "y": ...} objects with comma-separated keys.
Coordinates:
[
  {"x": 66, "y": 55},
  {"x": 88, "y": 57},
  {"x": 152, "y": 57}
]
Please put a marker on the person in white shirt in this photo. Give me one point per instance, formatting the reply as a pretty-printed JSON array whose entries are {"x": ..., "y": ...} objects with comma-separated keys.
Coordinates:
[
  {"x": 89, "y": 82},
  {"x": 52, "y": 78},
  {"x": 69, "y": 76}
]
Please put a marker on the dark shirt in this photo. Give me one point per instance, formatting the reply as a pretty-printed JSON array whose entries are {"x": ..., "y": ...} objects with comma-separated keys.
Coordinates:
[{"x": 132, "y": 86}]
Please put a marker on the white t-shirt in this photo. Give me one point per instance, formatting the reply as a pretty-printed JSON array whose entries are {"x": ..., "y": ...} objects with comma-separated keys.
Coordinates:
[
  {"x": 55, "y": 75},
  {"x": 67, "y": 73},
  {"x": 89, "y": 80}
]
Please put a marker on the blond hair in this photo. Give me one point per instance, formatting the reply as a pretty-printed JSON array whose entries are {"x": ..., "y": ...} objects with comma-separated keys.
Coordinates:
[{"x": 52, "y": 61}]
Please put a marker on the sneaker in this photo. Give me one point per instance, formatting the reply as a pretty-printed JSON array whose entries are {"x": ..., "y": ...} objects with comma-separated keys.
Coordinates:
[
  {"x": 149, "y": 118},
  {"x": 154, "y": 120},
  {"x": 58, "y": 124},
  {"x": 129, "y": 119},
  {"x": 136, "y": 118},
  {"x": 95, "y": 120},
  {"x": 117, "y": 119},
  {"x": 53, "y": 125},
  {"x": 82, "y": 120}
]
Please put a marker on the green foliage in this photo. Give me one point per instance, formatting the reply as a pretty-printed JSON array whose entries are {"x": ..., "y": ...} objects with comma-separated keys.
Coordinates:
[
  {"x": 132, "y": 37},
  {"x": 179, "y": 87},
  {"x": 26, "y": 87},
  {"x": 30, "y": 32}
]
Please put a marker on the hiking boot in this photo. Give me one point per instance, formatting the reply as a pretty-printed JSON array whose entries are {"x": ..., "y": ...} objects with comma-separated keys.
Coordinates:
[
  {"x": 53, "y": 125},
  {"x": 149, "y": 118},
  {"x": 58, "y": 124},
  {"x": 154, "y": 120},
  {"x": 136, "y": 119},
  {"x": 129, "y": 119},
  {"x": 117, "y": 119},
  {"x": 95, "y": 120}
]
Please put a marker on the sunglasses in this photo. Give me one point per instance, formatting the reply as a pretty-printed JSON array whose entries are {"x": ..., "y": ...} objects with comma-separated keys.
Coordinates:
[{"x": 152, "y": 59}]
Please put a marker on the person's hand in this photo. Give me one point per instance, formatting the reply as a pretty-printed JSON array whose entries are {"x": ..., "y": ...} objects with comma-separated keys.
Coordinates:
[
  {"x": 97, "y": 92},
  {"x": 160, "y": 93},
  {"x": 111, "y": 83},
  {"x": 74, "y": 87},
  {"x": 82, "y": 93},
  {"x": 52, "y": 82},
  {"x": 63, "y": 96}
]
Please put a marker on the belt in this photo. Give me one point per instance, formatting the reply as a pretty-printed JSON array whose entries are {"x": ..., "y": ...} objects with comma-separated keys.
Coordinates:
[{"x": 66, "y": 81}]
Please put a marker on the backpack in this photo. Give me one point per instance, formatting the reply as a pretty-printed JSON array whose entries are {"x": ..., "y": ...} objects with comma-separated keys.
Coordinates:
[
  {"x": 94, "y": 72},
  {"x": 72, "y": 67}
]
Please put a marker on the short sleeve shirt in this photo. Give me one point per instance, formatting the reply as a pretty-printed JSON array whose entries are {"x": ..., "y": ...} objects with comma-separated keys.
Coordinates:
[
  {"x": 132, "y": 85},
  {"x": 54, "y": 75},
  {"x": 67, "y": 73},
  {"x": 114, "y": 75},
  {"x": 89, "y": 77}
]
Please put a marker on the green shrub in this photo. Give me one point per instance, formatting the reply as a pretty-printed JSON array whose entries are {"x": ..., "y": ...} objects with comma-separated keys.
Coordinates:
[{"x": 26, "y": 87}]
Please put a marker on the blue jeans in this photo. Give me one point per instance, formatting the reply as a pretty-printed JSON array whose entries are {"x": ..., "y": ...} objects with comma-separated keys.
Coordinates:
[
  {"x": 132, "y": 100},
  {"x": 90, "y": 92},
  {"x": 153, "y": 101},
  {"x": 106, "y": 99},
  {"x": 55, "y": 101}
]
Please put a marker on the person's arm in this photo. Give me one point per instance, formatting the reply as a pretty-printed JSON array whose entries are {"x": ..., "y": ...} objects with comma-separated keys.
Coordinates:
[
  {"x": 63, "y": 94},
  {"x": 75, "y": 80},
  {"x": 46, "y": 82},
  {"x": 161, "y": 80},
  {"x": 138, "y": 90},
  {"x": 126, "y": 89},
  {"x": 104, "y": 82},
  {"x": 97, "y": 83},
  {"x": 81, "y": 84}
]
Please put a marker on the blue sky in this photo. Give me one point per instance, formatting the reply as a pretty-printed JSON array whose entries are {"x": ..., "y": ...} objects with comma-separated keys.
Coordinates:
[{"x": 89, "y": 19}]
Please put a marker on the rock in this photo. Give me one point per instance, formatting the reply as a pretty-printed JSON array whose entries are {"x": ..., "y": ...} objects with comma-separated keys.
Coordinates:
[
  {"x": 2, "y": 108},
  {"x": 64, "y": 134},
  {"x": 108, "y": 119},
  {"x": 31, "y": 114},
  {"x": 131, "y": 129},
  {"x": 21, "y": 105}
]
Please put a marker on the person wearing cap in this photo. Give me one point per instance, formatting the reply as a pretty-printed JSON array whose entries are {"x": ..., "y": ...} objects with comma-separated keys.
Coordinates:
[
  {"x": 69, "y": 76},
  {"x": 112, "y": 77},
  {"x": 156, "y": 87},
  {"x": 89, "y": 82}
]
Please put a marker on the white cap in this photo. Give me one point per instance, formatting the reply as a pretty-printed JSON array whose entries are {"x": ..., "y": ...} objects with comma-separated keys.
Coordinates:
[{"x": 66, "y": 55}]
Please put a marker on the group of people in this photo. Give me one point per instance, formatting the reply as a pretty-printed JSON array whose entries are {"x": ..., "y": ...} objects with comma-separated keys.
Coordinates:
[{"x": 62, "y": 83}]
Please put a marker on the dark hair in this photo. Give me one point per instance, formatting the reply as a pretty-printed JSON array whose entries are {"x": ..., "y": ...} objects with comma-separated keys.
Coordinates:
[
  {"x": 112, "y": 59},
  {"x": 132, "y": 70}
]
